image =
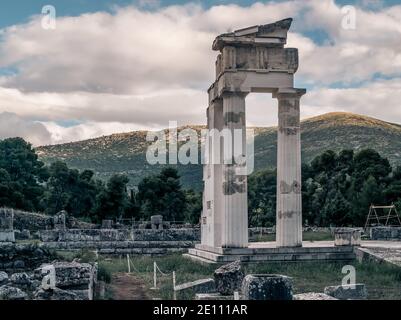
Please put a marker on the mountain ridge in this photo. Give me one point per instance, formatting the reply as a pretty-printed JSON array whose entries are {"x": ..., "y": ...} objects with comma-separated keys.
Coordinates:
[{"x": 125, "y": 152}]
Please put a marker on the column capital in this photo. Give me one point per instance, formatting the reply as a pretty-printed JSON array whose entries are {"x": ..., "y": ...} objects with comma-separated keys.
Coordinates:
[{"x": 288, "y": 93}]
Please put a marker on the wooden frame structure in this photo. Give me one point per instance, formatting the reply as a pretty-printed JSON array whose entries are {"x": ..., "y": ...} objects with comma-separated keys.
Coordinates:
[{"x": 373, "y": 215}]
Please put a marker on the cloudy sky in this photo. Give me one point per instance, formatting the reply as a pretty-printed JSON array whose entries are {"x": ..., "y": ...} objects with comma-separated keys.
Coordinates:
[{"x": 117, "y": 66}]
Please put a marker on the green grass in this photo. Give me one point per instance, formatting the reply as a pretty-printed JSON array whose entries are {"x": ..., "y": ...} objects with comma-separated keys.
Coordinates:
[
  {"x": 307, "y": 236},
  {"x": 382, "y": 281}
]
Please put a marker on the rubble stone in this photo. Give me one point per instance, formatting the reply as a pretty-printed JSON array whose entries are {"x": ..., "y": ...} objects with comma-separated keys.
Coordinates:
[
  {"x": 55, "y": 294},
  {"x": 229, "y": 278},
  {"x": 313, "y": 296},
  {"x": 11, "y": 293},
  {"x": 347, "y": 292},
  {"x": 3, "y": 277},
  {"x": 267, "y": 287}
]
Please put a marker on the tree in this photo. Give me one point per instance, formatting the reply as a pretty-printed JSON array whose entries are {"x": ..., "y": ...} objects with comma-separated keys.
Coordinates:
[
  {"x": 162, "y": 194},
  {"x": 368, "y": 163},
  {"x": 262, "y": 198},
  {"x": 371, "y": 193},
  {"x": 133, "y": 209},
  {"x": 112, "y": 202},
  {"x": 193, "y": 210},
  {"x": 22, "y": 175},
  {"x": 57, "y": 194}
]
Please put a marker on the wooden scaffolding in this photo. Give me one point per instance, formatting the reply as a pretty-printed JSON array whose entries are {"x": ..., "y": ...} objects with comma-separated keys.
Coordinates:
[{"x": 392, "y": 215}]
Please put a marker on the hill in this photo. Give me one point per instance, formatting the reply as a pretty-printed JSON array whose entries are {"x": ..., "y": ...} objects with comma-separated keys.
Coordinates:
[{"x": 126, "y": 152}]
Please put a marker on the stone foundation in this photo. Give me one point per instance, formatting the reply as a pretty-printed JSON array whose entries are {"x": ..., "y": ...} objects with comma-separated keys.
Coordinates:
[
  {"x": 122, "y": 241},
  {"x": 268, "y": 252}
]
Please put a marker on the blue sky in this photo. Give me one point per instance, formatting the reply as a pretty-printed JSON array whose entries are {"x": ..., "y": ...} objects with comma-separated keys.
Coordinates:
[{"x": 127, "y": 65}]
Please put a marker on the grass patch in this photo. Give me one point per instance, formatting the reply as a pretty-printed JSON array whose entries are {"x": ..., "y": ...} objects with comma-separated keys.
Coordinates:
[{"x": 382, "y": 281}]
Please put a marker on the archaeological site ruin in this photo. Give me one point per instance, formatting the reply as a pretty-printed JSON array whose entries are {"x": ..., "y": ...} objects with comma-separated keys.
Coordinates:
[{"x": 61, "y": 257}]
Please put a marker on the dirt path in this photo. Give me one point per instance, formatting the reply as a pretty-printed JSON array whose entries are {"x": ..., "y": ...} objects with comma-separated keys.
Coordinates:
[{"x": 128, "y": 287}]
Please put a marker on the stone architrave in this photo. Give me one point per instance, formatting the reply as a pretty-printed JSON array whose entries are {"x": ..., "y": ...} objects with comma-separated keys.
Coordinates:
[{"x": 253, "y": 59}]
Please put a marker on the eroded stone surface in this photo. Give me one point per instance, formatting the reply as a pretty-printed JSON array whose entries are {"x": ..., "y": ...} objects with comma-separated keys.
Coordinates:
[
  {"x": 347, "y": 292},
  {"x": 385, "y": 233},
  {"x": 347, "y": 237},
  {"x": 3, "y": 277},
  {"x": 313, "y": 296},
  {"x": 267, "y": 287},
  {"x": 55, "y": 294},
  {"x": 229, "y": 278},
  {"x": 11, "y": 293}
]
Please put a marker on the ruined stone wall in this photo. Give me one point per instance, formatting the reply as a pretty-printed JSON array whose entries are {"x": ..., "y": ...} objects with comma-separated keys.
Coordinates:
[
  {"x": 23, "y": 256},
  {"x": 64, "y": 281},
  {"x": 35, "y": 221},
  {"x": 122, "y": 241},
  {"x": 385, "y": 233},
  {"x": 93, "y": 235}
]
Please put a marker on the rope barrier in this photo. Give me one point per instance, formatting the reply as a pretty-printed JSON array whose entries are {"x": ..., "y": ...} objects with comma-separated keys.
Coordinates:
[{"x": 156, "y": 269}]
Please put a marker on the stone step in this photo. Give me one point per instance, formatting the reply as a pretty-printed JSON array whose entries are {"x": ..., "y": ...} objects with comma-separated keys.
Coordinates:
[{"x": 272, "y": 257}]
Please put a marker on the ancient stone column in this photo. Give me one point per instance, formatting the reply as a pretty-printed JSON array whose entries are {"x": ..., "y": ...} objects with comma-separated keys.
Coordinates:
[
  {"x": 289, "y": 196},
  {"x": 235, "y": 206}
]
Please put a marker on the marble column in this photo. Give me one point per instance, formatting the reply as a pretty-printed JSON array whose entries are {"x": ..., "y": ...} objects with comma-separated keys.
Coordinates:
[
  {"x": 235, "y": 206},
  {"x": 289, "y": 196}
]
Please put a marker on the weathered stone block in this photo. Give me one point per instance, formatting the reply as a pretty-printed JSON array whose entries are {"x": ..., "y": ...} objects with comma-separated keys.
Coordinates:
[
  {"x": 198, "y": 286},
  {"x": 11, "y": 293},
  {"x": 59, "y": 220},
  {"x": 385, "y": 233},
  {"x": 267, "y": 287},
  {"x": 229, "y": 278},
  {"x": 77, "y": 278},
  {"x": 107, "y": 224},
  {"x": 313, "y": 296},
  {"x": 3, "y": 277},
  {"x": 6, "y": 219},
  {"x": 19, "y": 256},
  {"x": 55, "y": 294},
  {"x": 347, "y": 292},
  {"x": 7, "y": 236},
  {"x": 22, "y": 235},
  {"x": 347, "y": 237},
  {"x": 6, "y": 225},
  {"x": 212, "y": 296}
]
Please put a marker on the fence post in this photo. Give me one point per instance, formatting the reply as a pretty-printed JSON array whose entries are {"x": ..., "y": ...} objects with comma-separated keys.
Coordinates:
[
  {"x": 154, "y": 276},
  {"x": 129, "y": 266},
  {"x": 174, "y": 282}
]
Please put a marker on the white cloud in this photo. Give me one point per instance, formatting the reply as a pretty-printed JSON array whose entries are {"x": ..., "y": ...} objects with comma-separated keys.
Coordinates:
[
  {"x": 140, "y": 69},
  {"x": 13, "y": 126}
]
